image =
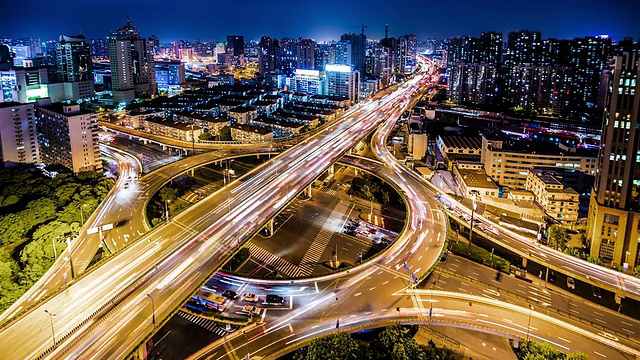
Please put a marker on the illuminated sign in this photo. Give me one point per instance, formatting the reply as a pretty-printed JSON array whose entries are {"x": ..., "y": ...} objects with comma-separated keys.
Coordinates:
[
  {"x": 337, "y": 68},
  {"x": 311, "y": 73}
]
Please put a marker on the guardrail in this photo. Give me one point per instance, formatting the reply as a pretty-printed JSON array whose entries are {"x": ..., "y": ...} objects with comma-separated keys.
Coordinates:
[{"x": 545, "y": 305}]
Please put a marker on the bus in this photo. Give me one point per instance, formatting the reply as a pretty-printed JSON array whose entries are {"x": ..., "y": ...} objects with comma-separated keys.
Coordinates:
[{"x": 210, "y": 300}]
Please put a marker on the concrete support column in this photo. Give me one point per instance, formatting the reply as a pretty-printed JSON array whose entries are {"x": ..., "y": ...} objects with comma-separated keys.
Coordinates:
[
  {"x": 193, "y": 172},
  {"x": 308, "y": 192},
  {"x": 145, "y": 141},
  {"x": 332, "y": 169},
  {"x": 164, "y": 147},
  {"x": 269, "y": 227},
  {"x": 355, "y": 170}
]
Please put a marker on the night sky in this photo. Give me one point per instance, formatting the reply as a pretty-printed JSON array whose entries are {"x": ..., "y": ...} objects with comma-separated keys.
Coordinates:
[{"x": 322, "y": 20}]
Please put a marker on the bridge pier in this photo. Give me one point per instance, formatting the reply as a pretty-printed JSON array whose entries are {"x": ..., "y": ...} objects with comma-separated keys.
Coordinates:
[
  {"x": 145, "y": 141},
  {"x": 193, "y": 172},
  {"x": 308, "y": 191},
  {"x": 269, "y": 227},
  {"x": 355, "y": 170},
  {"x": 164, "y": 147},
  {"x": 331, "y": 169}
]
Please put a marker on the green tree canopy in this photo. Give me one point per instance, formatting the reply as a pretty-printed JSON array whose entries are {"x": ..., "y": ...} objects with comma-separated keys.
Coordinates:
[
  {"x": 225, "y": 134},
  {"x": 558, "y": 237},
  {"x": 168, "y": 194}
]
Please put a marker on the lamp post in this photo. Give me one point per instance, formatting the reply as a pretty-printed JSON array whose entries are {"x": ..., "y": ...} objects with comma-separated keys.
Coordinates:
[
  {"x": 473, "y": 211},
  {"x": 153, "y": 312},
  {"x": 53, "y": 333},
  {"x": 55, "y": 251},
  {"x": 166, "y": 209},
  {"x": 529, "y": 324}
]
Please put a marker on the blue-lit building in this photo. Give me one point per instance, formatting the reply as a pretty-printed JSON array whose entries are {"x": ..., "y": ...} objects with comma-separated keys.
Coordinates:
[{"x": 170, "y": 74}]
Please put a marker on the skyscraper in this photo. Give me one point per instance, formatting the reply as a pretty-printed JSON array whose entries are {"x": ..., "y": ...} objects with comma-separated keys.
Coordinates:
[
  {"x": 132, "y": 64},
  {"x": 358, "y": 50},
  {"x": 235, "y": 46},
  {"x": 306, "y": 52},
  {"x": 342, "y": 81},
  {"x": 75, "y": 68},
  {"x": 268, "y": 58},
  {"x": 614, "y": 211}
]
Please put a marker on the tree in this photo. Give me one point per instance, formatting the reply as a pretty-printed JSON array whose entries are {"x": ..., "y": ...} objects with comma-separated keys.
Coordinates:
[
  {"x": 558, "y": 237},
  {"x": 168, "y": 194},
  {"x": 636, "y": 271},
  {"x": 205, "y": 136},
  {"x": 225, "y": 134},
  {"x": 594, "y": 260},
  {"x": 335, "y": 347}
]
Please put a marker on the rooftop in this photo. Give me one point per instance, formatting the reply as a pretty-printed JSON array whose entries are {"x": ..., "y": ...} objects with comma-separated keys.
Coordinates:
[
  {"x": 252, "y": 129},
  {"x": 170, "y": 123},
  {"x": 462, "y": 142},
  {"x": 242, "y": 109},
  {"x": 477, "y": 178}
]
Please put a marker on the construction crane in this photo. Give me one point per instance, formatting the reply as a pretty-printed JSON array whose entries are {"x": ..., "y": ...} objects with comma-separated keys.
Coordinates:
[{"x": 363, "y": 26}]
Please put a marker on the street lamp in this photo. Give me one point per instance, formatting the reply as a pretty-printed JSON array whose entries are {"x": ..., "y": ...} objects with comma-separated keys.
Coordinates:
[
  {"x": 529, "y": 325},
  {"x": 53, "y": 333},
  {"x": 153, "y": 312},
  {"x": 166, "y": 209},
  {"x": 473, "y": 211}
]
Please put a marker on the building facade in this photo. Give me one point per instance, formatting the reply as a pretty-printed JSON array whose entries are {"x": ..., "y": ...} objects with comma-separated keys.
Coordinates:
[
  {"x": 68, "y": 136},
  {"x": 613, "y": 227},
  {"x": 342, "y": 81},
  {"x": 75, "y": 67},
  {"x": 18, "y": 134}
]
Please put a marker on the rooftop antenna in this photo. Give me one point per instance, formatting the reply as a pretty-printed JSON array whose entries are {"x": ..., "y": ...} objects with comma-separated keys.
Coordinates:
[{"x": 386, "y": 31}]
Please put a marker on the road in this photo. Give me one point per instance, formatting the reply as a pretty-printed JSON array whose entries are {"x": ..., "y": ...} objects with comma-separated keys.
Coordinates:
[
  {"x": 125, "y": 210},
  {"x": 188, "y": 249}
]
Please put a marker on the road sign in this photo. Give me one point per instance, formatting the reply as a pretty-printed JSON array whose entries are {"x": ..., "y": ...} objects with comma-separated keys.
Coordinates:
[
  {"x": 406, "y": 267},
  {"x": 415, "y": 278}
]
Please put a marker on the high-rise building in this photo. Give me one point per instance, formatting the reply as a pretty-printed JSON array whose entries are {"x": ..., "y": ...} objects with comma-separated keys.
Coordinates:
[
  {"x": 100, "y": 49},
  {"x": 589, "y": 57},
  {"x": 68, "y": 136},
  {"x": 287, "y": 55},
  {"x": 342, "y": 81},
  {"x": 614, "y": 210},
  {"x": 306, "y": 53},
  {"x": 235, "y": 45},
  {"x": 340, "y": 53},
  {"x": 18, "y": 135},
  {"x": 156, "y": 44},
  {"x": 268, "y": 58},
  {"x": 406, "y": 51},
  {"x": 75, "y": 68},
  {"x": 132, "y": 64},
  {"x": 358, "y": 50}
]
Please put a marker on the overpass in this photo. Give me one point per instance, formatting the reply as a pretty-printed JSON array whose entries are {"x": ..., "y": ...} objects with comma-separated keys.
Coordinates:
[{"x": 191, "y": 246}]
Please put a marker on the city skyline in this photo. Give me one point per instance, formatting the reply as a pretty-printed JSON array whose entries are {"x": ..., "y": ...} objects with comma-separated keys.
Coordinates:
[{"x": 321, "y": 22}]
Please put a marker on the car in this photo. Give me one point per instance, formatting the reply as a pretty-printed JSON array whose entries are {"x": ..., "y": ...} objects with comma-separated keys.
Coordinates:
[
  {"x": 249, "y": 297},
  {"x": 274, "y": 299},
  {"x": 251, "y": 310},
  {"x": 571, "y": 284},
  {"x": 230, "y": 294},
  {"x": 596, "y": 292},
  {"x": 552, "y": 276},
  {"x": 126, "y": 185}
]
